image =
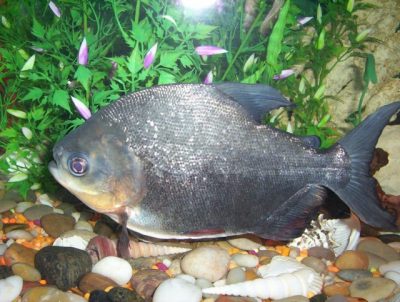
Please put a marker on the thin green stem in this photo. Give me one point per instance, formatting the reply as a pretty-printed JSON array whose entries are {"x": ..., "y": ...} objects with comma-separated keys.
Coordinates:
[
  {"x": 137, "y": 11},
  {"x": 85, "y": 21},
  {"x": 360, "y": 102},
  {"x": 124, "y": 34},
  {"x": 246, "y": 38}
]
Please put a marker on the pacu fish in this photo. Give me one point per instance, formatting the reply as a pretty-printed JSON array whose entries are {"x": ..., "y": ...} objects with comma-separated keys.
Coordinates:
[{"x": 187, "y": 161}]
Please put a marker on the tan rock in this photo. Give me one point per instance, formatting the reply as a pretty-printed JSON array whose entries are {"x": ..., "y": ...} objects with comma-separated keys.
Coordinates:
[
  {"x": 352, "y": 260},
  {"x": 338, "y": 288},
  {"x": 19, "y": 253}
]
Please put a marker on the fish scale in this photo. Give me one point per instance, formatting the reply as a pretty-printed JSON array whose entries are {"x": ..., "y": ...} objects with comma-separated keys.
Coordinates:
[{"x": 193, "y": 161}]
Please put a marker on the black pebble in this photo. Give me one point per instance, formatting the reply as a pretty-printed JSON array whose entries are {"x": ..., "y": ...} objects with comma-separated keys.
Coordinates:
[
  {"x": 99, "y": 296},
  {"x": 62, "y": 266},
  {"x": 5, "y": 272},
  {"x": 387, "y": 238},
  {"x": 121, "y": 294},
  {"x": 319, "y": 298}
]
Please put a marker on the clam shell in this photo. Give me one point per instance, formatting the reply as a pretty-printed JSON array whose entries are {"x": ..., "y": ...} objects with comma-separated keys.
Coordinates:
[
  {"x": 142, "y": 249},
  {"x": 300, "y": 282},
  {"x": 279, "y": 265}
]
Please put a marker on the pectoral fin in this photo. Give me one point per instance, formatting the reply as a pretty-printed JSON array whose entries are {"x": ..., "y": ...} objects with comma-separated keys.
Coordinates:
[{"x": 294, "y": 215}]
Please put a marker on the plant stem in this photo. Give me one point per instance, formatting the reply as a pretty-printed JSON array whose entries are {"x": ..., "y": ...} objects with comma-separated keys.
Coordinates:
[
  {"x": 85, "y": 25},
  {"x": 137, "y": 11},
  {"x": 124, "y": 34},
  {"x": 360, "y": 103},
  {"x": 242, "y": 44}
]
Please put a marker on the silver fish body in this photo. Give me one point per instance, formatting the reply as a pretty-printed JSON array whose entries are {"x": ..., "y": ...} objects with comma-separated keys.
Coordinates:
[{"x": 190, "y": 161}]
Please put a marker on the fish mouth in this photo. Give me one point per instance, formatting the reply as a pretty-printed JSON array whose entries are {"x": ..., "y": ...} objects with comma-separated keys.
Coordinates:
[{"x": 53, "y": 168}]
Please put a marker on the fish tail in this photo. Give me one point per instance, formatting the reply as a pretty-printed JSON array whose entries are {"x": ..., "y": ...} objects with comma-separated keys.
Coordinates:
[{"x": 360, "y": 193}]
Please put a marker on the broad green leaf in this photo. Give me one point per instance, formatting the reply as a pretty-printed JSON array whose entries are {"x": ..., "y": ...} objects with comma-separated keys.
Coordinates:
[
  {"x": 9, "y": 133},
  {"x": 134, "y": 63},
  {"x": 186, "y": 61},
  {"x": 17, "y": 113},
  {"x": 203, "y": 31},
  {"x": 61, "y": 98},
  {"x": 83, "y": 75},
  {"x": 37, "y": 29},
  {"x": 142, "y": 32},
  {"x": 370, "y": 72},
  {"x": 166, "y": 78},
  {"x": 169, "y": 59},
  {"x": 29, "y": 63},
  {"x": 34, "y": 94},
  {"x": 37, "y": 114}
]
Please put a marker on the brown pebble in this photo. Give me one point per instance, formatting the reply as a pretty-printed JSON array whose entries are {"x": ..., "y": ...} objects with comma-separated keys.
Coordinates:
[
  {"x": 321, "y": 253},
  {"x": 14, "y": 226},
  {"x": 146, "y": 281},
  {"x": 338, "y": 288},
  {"x": 93, "y": 281},
  {"x": 55, "y": 224},
  {"x": 315, "y": 263},
  {"x": 352, "y": 260},
  {"x": 377, "y": 247},
  {"x": 19, "y": 253},
  {"x": 234, "y": 299},
  {"x": 26, "y": 272}
]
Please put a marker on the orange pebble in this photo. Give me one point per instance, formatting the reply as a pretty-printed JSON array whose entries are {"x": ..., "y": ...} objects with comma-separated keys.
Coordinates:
[
  {"x": 332, "y": 268},
  {"x": 43, "y": 282},
  {"x": 12, "y": 220},
  {"x": 2, "y": 261},
  {"x": 5, "y": 220},
  {"x": 86, "y": 296}
]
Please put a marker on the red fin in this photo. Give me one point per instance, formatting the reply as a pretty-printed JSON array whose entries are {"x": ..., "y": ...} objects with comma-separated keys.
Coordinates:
[{"x": 206, "y": 232}]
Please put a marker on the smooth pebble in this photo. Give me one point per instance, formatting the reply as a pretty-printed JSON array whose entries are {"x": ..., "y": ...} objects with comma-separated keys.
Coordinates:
[
  {"x": 187, "y": 278},
  {"x": 353, "y": 274},
  {"x": 115, "y": 268},
  {"x": 23, "y": 206},
  {"x": 10, "y": 288},
  {"x": 293, "y": 299},
  {"x": 352, "y": 260},
  {"x": 372, "y": 289},
  {"x": 83, "y": 225},
  {"x": 245, "y": 260},
  {"x": 208, "y": 262},
  {"x": 177, "y": 290},
  {"x": 37, "y": 211},
  {"x": 56, "y": 224},
  {"x": 7, "y": 204},
  {"x": 244, "y": 244},
  {"x": 236, "y": 275},
  {"x": 377, "y": 247},
  {"x": 26, "y": 272},
  {"x": 315, "y": 263},
  {"x": 20, "y": 234}
]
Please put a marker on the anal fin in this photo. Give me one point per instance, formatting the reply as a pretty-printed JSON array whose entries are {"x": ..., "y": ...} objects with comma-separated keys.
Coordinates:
[{"x": 294, "y": 215}]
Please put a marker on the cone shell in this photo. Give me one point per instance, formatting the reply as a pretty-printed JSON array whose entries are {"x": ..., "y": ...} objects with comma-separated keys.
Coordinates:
[
  {"x": 100, "y": 247},
  {"x": 300, "y": 282},
  {"x": 141, "y": 249}
]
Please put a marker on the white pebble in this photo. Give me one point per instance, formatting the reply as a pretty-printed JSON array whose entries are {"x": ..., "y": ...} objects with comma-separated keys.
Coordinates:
[
  {"x": 83, "y": 225},
  {"x": 24, "y": 205},
  {"x": 187, "y": 278},
  {"x": 19, "y": 234},
  {"x": 76, "y": 215},
  {"x": 244, "y": 244},
  {"x": 245, "y": 260},
  {"x": 72, "y": 241},
  {"x": 10, "y": 288},
  {"x": 3, "y": 248},
  {"x": 177, "y": 290},
  {"x": 58, "y": 211},
  {"x": 117, "y": 269}
]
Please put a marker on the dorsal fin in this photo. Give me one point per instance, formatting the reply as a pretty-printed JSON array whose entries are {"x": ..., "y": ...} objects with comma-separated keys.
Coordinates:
[{"x": 257, "y": 99}]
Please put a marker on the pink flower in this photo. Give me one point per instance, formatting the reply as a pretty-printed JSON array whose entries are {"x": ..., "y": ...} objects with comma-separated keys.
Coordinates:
[
  {"x": 209, "y": 78},
  {"x": 81, "y": 107},
  {"x": 284, "y": 74},
  {"x": 150, "y": 56},
  {"x": 209, "y": 50},
  {"x": 83, "y": 53},
  {"x": 55, "y": 9}
]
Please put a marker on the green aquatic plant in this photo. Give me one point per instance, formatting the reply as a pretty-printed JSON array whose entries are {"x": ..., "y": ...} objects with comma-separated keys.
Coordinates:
[{"x": 60, "y": 61}]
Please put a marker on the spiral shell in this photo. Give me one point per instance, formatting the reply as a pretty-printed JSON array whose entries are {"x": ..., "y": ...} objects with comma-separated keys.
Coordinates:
[
  {"x": 336, "y": 234},
  {"x": 141, "y": 249},
  {"x": 279, "y": 265},
  {"x": 300, "y": 282}
]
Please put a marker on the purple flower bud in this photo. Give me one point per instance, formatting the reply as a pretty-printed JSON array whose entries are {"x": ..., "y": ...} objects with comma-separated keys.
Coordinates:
[
  {"x": 304, "y": 20},
  {"x": 55, "y": 9},
  {"x": 284, "y": 74},
  {"x": 209, "y": 50},
  {"x": 81, "y": 107},
  {"x": 209, "y": 78},
  {"x": 83, "y": 53},
  {"x": 149, "y": 58}
]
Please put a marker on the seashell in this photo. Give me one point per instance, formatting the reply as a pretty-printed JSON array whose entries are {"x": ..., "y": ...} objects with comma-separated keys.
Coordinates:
[
  {"x": 146, "y": 281},
  {"x": 100, "y": 247},
  {"x": 141, "y": 249},
  {"x": 300, "y": 282},
  {"x": 279, "y": 265},
  {"x": 393, "y": 266},
  {"x": 336, "y": 234}
]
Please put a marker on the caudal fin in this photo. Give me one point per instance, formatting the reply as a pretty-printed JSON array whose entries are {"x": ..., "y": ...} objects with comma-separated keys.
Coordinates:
[{"x": 360, "y": 193}]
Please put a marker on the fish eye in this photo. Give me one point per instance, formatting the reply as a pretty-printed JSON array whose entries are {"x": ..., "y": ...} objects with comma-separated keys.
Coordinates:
[{"x": 78, "y": 164}]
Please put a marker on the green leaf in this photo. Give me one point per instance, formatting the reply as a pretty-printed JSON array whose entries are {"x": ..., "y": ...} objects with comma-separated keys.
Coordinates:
[
  {"x": 37, "y": 114},
  {"x": 9, "y": 133},
  {"x": 370, "y": 72},
  {"x": 169, "y": 59},
  {"x": 134, "y": 62},
  {"x": 61, "y": 98},
  {"x": 142, "y": 32},
  {"x": 203, "y": 31},
  {"x": 83, "y": 75},
  {"x": 166, "y": 78},
  {"x": 186, "y": 61},
  {"x": 34, "y": 94},
  {"x": 38, "y": 30}
]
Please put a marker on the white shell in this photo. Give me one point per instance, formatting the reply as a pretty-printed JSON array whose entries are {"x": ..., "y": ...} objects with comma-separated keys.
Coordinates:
[
  {"x": 142, "y": 249},
  {"x": 279, "y": 265},
  {"x": 395, "y": 276},
  {"x": 300, "y": 282},
  {"x": 336, "y": 234},
  {"x": 72, "y": 241},
  {"x": 391, "y": 270}
]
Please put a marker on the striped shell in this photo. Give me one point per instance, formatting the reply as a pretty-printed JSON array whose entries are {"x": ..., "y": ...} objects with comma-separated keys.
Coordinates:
[
  {"x": 336, "y": 234},
  {"x": 301, "y": 282},
  {"x": 141, "y": 249}
]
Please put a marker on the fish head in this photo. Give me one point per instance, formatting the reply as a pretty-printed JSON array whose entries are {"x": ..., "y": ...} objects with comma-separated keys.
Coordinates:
[{"x": 94, "y": 163}]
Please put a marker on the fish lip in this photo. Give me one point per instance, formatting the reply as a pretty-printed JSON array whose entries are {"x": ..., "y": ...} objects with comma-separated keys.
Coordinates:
[{"x": 53, "y": 168}]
